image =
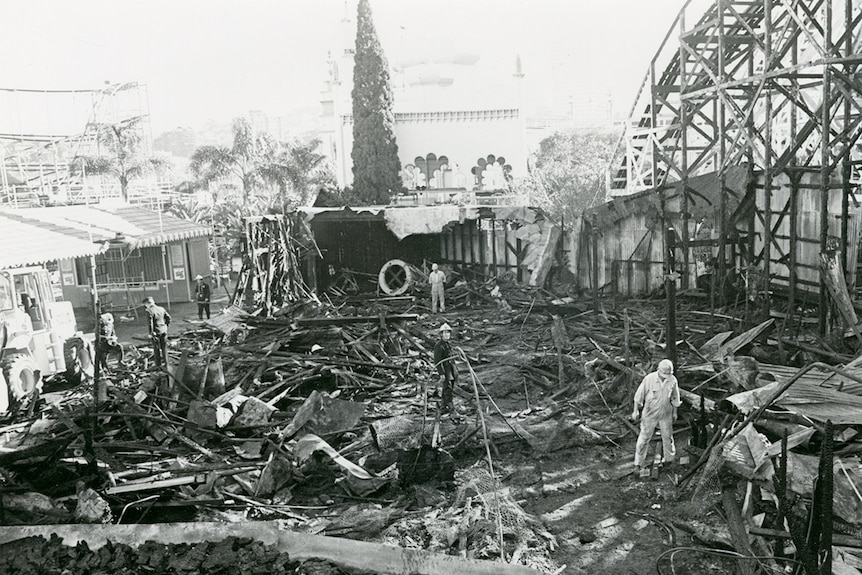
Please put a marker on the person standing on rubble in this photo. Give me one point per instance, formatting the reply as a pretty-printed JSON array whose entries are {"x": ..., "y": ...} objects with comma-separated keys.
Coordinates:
[
  {"x": 108, "y": 341},
  {"x": 437, "y": 279},
  {"x": 444, "y": 361},
  {"x": 656, "y": 401},
  {"x": 202, "y": 295},
  {"x": 160, "y": 319}
]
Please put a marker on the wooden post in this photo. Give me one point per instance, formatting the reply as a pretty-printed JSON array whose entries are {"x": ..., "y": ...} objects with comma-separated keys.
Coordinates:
[
  {"x": 684, "y": 122},
  {"x": 519, "y": 259},
  {"x": 463, "y": 246},
  {"x": 846, "y": 171},
  {"x": 506, "y": 248},
  {"x": 824, "y": 190},
  {"x": 97, "y": 372},
  {"x": 738, "y": 533},
  {"x": 494, "y": 246},
  {"x": 767, "y": 169},
  {"x": 482, "y": 246},
  {"x": 670, "y": 289},
  {"x": 470, "y": 225},
  {"x": 795, "y": 177},
  {"x": 595, "y": 282},
  {"x": 627, "y": 350},
  {"x": 721, "y": 160}
]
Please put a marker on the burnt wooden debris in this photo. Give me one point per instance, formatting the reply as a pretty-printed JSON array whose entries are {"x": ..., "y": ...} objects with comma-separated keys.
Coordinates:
[{"x": 323, "y": 417}]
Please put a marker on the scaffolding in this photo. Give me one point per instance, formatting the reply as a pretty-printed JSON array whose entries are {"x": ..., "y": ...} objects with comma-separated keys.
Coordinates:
[
  {"x": 42, "y": 132},
  {"x": 770, "y": 85}
]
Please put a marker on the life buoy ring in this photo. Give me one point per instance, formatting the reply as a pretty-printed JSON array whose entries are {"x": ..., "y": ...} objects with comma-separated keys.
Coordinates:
[{"x": 395, "y": 277}]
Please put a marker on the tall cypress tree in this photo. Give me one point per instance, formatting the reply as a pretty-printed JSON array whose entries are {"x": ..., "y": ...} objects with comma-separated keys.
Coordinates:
[{"x": 376, "y": 167}]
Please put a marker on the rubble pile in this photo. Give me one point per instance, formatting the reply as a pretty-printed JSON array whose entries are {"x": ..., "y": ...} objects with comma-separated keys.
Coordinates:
[
  {"x": 323, "y": 421},
  {"x": 324, "y": 417},
  {"x": 34, "y": 555}
]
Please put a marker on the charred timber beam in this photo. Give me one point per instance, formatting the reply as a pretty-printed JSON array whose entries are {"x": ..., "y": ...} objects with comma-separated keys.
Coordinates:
[{"x": 320, "y": 321}]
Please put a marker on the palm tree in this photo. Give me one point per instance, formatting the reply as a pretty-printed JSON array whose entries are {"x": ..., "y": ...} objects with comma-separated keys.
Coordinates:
[
  {"x": 122, "y": 157},
  {"x": 299, "y": 171},
  {"x": 245, "y": 160}
]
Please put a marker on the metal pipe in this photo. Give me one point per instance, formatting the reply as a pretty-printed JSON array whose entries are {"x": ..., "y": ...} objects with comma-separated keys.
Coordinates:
[{"x": 165, "y": 274}]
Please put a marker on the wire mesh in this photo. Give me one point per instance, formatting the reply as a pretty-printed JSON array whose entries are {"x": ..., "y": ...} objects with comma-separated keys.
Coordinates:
[
  {"x": 398, "y": 432},
  {"x": 708, "y": 486},
  {"x": 476, "y": 482}
]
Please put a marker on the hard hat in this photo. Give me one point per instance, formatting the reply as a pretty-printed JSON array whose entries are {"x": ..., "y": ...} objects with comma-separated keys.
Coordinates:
[
  {"x": 445, "y": 327},
  {"x": 666, "y": 366},
  {"x": 199, "y": 277}
]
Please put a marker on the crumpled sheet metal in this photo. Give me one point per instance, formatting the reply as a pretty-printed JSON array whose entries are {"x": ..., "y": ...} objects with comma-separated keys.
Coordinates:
[{"x": 812, "y": 401}]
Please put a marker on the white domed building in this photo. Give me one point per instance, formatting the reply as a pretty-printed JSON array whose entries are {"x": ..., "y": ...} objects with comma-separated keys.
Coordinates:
[{"x": 458, "y": 122}]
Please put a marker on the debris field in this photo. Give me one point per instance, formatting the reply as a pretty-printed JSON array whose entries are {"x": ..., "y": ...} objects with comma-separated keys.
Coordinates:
[{"x": 326, "y": 418}]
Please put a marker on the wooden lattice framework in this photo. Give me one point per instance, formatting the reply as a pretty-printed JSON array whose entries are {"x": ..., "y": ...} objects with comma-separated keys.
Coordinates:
[{"x": 766, "y": 83}]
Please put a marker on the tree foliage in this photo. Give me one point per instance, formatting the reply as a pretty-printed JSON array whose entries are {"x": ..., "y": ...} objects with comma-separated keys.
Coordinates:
[
  {"x": 122, "y": 155},
  {"x": 376, "y": 167},
  {"x": 270, "y": 173},
  {"x": 569, "y": 172},
  {"x": 298, "y": 171},
  {"x": 224, "y": 212},
  {"x": 245, "y": 160},
  {"x": 255, "y": 175}
]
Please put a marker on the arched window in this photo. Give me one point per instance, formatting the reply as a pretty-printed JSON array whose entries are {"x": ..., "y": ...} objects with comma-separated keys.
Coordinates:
[
  {"x": 492, "y": 173},
  {"x": 433, "y": 172}
]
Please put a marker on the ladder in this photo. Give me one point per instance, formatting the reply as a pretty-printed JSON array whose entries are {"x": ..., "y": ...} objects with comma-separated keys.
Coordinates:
[
  {"x": 107, "y": 297},
  {"x": 242, "y": 289}
]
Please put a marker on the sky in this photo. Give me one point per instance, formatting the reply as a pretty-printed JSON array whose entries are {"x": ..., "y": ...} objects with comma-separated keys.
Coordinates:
[{"x": 207, "y": 60}]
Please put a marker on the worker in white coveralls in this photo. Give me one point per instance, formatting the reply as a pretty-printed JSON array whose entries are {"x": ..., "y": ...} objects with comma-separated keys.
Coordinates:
[
  {"x": 437, "y": 278},
  {"x": 656, "y": 402}
]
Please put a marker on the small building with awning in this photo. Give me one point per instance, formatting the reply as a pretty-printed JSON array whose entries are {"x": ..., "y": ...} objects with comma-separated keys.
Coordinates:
[{"x": 138, "y": 252}]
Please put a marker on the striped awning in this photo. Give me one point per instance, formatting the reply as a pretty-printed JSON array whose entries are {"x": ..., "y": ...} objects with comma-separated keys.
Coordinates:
[
  {"x": 26, "y": 244},
  {"x": 137, "y": 227}
]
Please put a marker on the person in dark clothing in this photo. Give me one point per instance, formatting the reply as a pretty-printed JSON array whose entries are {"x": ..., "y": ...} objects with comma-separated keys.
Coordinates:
[
  {"x": 160, "y": 319},
  {"x": 107, "y": 340},
  {"x": 444, "y": 361},
  {"x": 202, "y": 296}
]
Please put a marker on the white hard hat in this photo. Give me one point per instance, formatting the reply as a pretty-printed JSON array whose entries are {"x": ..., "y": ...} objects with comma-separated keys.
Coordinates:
[
  {"x": 445, "y": 327},
  {"x": 665, "y": 365},
  {"x": 199, "y": 277}
]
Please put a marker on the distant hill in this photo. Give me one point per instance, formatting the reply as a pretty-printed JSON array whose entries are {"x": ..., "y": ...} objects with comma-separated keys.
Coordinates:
[{"x": 302, "y": 123}]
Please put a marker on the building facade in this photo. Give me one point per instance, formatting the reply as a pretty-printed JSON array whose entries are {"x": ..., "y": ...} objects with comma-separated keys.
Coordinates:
[{"x": 457, "y": 125}]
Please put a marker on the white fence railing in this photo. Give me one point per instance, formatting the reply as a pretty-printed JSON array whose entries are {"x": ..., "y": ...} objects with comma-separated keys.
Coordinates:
[{"x": 151, "y": 195}]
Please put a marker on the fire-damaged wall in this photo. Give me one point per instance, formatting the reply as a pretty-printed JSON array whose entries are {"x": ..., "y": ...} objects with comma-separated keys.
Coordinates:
[
  {"x": 361, "y": 243},
  {"x": 488, "y": 241},
  {"x": 622, "y": 243},
  {"x": 493, "y": 245},
  {"x": 619, "y": 246}
]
